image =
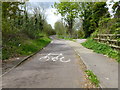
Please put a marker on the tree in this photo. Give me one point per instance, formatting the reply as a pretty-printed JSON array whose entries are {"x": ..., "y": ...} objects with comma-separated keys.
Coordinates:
[
  {"x": 11, "y": 9},
  {"x": 60, "y": 28},
  {"x": 116, "y": 9},
  {"x": 91, "y": 12},
  {"x": 69, "y": 11}
]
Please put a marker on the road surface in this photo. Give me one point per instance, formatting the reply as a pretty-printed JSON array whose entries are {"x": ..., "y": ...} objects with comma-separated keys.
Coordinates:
[
  {"x": 106, "y": 69},
  {"x": 56, "y": 66}
]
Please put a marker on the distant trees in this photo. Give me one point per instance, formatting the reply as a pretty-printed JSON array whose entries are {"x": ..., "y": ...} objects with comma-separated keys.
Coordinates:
[
  {"x": 60, "y": 28},
  {"x": 69, "y": 11},
  {"x": 48, "y": 29}
]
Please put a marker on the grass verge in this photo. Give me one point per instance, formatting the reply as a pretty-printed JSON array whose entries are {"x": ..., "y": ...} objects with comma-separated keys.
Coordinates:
[
  {"x": 62, "y": 37},
  {"x": 23, "y": 47},
  {"x": 102, "y": 48},
  {"x": 92, "y": 77}
]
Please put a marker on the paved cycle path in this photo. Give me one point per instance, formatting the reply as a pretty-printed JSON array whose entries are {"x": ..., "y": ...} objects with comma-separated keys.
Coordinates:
[
  {"x": 105, "y": 68},
  {"x": 46, "y": 70}
]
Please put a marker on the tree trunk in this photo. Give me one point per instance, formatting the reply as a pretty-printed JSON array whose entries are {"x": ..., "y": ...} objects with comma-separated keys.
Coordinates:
[{"x": 70, "y": 26}]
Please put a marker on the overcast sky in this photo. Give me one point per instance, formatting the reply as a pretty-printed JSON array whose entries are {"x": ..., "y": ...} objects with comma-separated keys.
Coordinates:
[
  {"x": 109, "y": 4},
  {"x": 49, "y": 11},
  {"x": 50, "y": 16}
]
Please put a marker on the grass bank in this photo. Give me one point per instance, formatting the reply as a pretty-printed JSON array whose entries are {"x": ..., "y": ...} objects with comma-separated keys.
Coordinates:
[
  {"x": 102, "y": 48},
  {"x": 23, "y": 46}
]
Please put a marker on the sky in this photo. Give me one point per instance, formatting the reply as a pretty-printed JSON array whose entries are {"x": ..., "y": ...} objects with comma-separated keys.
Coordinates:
[
  {"x": 109, "y": 4},
  {"x": 51, "y": 17},
  {"x": 49, "y": 11}
]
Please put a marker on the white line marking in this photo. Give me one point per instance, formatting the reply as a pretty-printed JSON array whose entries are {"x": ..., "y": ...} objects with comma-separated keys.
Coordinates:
[
  {"x": 107, "y": 78},
  {"x": 54, "y": 58}
]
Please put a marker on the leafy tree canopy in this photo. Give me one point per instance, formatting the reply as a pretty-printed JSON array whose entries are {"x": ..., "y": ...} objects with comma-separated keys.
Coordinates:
[{"x": 69, "y": 11}]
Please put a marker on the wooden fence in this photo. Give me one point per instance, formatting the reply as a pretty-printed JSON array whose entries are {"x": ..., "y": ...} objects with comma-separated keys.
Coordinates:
[{"x": 113, "y": 40}]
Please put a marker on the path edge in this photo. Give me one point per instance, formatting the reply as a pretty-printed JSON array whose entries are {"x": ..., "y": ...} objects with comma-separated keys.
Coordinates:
[
  {"x": 84, "y": 62},
  {"x": 25, "y": 59}
]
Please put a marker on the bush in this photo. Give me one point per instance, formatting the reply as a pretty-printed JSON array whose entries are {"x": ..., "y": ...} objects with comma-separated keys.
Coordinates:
[{"x": 109, "y": 26}]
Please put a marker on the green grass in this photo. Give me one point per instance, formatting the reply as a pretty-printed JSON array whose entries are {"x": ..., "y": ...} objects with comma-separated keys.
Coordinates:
[
  {"x": 26, "y": 47},
  {"x": 102, "y": 48},
  {"x": 92, "y": 77},
  {"x": 62, "y": 37},
  {"x": 69, "y": 39}
]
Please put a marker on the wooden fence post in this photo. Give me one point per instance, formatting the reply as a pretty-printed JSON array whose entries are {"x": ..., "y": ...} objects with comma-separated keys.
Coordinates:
[{"x": 110, "y": 39}]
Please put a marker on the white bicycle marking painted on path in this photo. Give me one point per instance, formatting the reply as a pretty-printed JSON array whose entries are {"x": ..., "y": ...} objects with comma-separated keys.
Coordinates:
[{"x": 54, "y": 57}]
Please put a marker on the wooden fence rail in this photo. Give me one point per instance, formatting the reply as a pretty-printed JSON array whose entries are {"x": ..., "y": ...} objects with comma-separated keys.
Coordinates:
[{"x": 113, "y": 40}]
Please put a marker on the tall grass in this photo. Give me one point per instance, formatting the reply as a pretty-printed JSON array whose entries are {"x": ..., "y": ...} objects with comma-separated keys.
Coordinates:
[{"x": 23, "y": 47}]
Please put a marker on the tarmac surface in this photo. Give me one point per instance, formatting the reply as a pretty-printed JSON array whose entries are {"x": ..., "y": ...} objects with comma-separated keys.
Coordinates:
[
  {"x": 56, "y": 66},
  {"x": 106, "y": 69},
  {"x": 59, "y": 66}
]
